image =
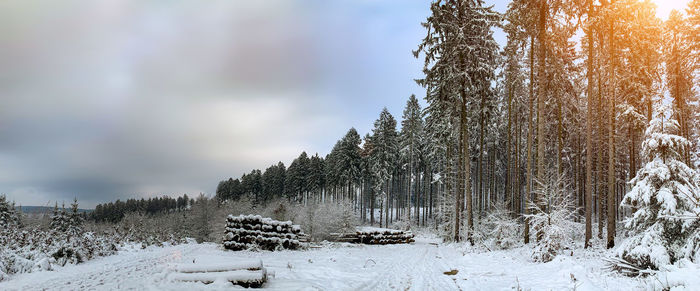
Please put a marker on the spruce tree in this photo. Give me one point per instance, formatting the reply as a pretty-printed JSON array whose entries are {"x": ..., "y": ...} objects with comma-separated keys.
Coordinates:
[
  {"x": 59, "y": 219},
  {"x": 411, "y": 138},
  {"x": 296, "y": 178},
  {"x": 665, "y": 200},
  {"x": 461, "y": 57},
  {"x": 316, "y": 179},
  {"x": 9, "y": 218},
  {"x": 384, "y": 156},
  {"x": 678, "y": 50},
  {"x": 349, "y": 159},
  {"x": 75, "y": 220}
]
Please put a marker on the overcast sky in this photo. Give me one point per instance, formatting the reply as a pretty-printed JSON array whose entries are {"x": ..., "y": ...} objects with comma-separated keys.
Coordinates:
[{"x": 103, "y": 100}]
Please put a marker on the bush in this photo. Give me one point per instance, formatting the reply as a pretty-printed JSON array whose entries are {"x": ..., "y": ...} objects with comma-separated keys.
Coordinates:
[
  {"x": 320, "y": 220},
  {"x": 552, "y": 219},
  {"x": 498, "y": 230}
]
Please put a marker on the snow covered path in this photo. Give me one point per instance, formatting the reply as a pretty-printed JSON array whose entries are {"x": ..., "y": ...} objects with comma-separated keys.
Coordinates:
[{"x": 418, "y": 266}]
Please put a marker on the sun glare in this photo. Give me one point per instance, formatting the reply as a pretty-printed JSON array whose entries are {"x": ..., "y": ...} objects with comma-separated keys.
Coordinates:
[{"x": 664, "y": 7}]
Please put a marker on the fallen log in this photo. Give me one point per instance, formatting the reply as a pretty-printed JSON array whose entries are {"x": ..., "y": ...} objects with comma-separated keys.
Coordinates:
[
  {"x": 201, "y": 268},
  {"x": 245, "y": 278}
]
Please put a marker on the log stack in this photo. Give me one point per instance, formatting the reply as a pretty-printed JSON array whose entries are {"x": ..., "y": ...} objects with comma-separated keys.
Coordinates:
[
  {"x": 253, "y": 231},
  {"x": 376, "y": 236}
]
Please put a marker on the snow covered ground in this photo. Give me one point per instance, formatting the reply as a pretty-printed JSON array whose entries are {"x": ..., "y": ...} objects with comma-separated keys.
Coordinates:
[{"x": 418, "y": 266}]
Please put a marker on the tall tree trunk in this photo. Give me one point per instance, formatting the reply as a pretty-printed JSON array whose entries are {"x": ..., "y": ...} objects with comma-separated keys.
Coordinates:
[
  {"x": 589, "y": 119},
  {"x": 480, "y": 171},
  {"x": 466, "y": 164},
  {"x": 600, "y": 147},
  {"x": 516, "y": 185},
  {"x": 541, "y": 95},
  {"x": 371, "y": 207},
  {"x": 528, "y": 185},
  {"x": 460, "y": 173},
  {"x": 611, "y": 146},
  {"x": 507, "y": 191}
]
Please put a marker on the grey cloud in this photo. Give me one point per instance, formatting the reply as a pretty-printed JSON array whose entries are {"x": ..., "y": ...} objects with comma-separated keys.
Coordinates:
[
  {"x": 112, "y": 99},
  {"x": 118, "y": 98}
]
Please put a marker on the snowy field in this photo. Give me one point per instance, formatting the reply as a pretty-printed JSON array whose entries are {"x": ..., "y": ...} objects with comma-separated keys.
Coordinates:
[{"x": 418, "y": 266}]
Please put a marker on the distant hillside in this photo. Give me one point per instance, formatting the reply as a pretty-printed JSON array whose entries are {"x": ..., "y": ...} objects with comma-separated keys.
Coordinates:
[{"x": 45, "y": 209}]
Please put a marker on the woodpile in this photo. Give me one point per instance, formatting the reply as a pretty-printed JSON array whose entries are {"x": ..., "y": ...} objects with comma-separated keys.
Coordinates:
[
  {"x": 253, "y": 231},
  {"x": 244, "y": 273},
  {"x": 376, "y": 236}
]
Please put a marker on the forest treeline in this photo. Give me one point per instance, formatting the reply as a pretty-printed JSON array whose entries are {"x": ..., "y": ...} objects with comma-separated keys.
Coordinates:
[{"x": 115, "y": 211}]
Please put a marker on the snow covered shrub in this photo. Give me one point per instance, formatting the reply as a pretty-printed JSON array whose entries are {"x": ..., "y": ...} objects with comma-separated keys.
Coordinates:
[
  {"x": 346, "y": 220},
  {"x": 499, "y": 229},
  {"x": 552, "y": 219},
  {"x": 31, "y": 250},
  {"x": 156, "y": 229},
  {"x": 306, "y": 216},
  {"x": 665, "y": 202},
  {"x": 320, "y": 220},
  {"x": 403, "y": 223},
  {"x": 334, "y": 217}
]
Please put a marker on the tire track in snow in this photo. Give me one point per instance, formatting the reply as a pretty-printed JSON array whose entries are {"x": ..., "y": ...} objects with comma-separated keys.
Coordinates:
[{"x": 411, "y": 271}]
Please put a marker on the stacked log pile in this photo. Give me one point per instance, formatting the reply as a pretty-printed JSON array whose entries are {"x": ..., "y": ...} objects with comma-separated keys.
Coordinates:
[
  {"x": 374, "y": 236},
  {"x": 253, "y": 231}
]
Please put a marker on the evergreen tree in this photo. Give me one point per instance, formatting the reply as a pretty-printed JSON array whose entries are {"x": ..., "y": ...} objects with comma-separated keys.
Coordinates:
[
  {"x": 273, "y": 182},
  {"x": 296, "y": 179},
  {"x": 665, "y": 200},
  {"x": 411, "y": 139},
  {"x": 331, "y": 168},
  {"x": 384, "y": 155},
  {"x": 679, "y": 76},
  {"x": 348, "y": 162},
  {"x": 59, "y": 220},
  {"x": 9, "y": 218},
  {"x": 460, "y": 60},
  {"x": 75, "y": 220},
  {"x": 367, "y": 175},
  {"x": 317, "y": 178}
]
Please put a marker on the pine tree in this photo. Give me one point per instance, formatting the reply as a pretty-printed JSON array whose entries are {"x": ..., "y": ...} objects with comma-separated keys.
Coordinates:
[
  {"x": 693, "y": 36},
  {"x": 9, "y": 218},
  {"x": 411, "y": 138},
  {"x": 384, "y": 157},
  {"x": 75, "y": 220},
  {"x": 296, "y": 180},
  {"x": 273, "y": 182},
  {"x": 679, "y": 75},
  {"x": 348, "y": 162},
  {"x": 367, "y": 174},
  {"x": 665, "y": 200},
  {"x": 59, "y": 219},
  {"x": 460, "y": 61},
  {"x": 317, "y": 179}
]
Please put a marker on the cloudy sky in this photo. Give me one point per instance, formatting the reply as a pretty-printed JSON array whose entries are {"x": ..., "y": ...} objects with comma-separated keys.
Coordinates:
[{"x": 114, "y": 99}]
